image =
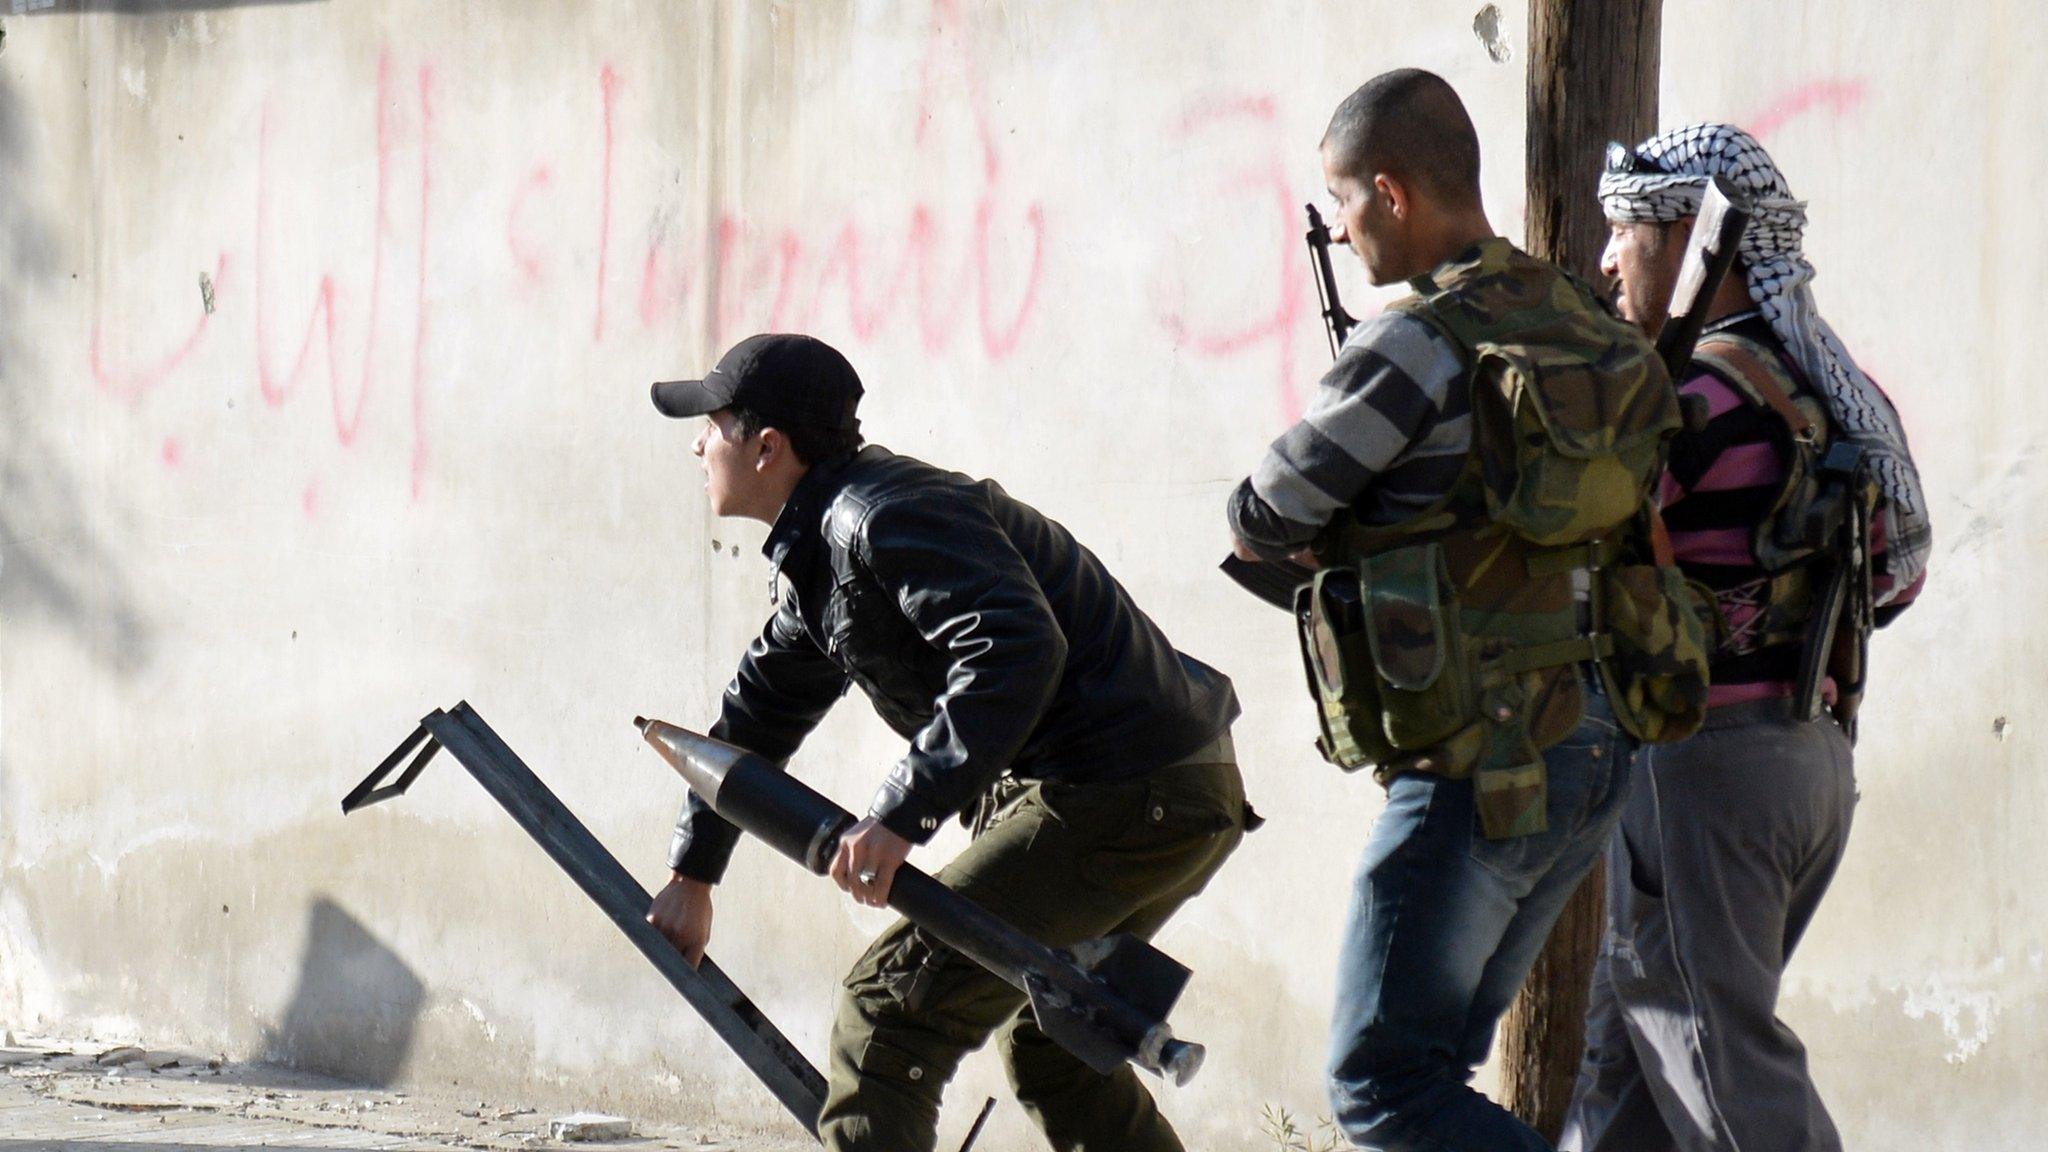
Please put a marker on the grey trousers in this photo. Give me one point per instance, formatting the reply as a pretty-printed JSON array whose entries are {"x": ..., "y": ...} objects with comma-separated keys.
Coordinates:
[{"x": 1725, "y": 849}]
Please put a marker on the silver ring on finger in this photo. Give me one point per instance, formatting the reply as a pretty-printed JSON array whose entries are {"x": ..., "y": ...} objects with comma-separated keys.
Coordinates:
[{"x": 868, "y": 876}]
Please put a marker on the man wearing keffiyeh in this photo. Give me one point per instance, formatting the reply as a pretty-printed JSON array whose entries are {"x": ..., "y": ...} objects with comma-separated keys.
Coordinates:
[{"x": 1730, "y": 838}]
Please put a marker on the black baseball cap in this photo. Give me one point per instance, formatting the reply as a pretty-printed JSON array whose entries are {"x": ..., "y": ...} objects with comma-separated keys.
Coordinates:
[{"x": 792, "y": 381}]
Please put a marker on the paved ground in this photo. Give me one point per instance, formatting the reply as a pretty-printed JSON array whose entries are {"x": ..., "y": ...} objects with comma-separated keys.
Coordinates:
[{"x": 63, "y": 1097}]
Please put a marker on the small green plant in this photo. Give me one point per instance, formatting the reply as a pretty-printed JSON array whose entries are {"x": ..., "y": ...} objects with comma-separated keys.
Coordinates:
[{"x": 1279, "y": 1125}]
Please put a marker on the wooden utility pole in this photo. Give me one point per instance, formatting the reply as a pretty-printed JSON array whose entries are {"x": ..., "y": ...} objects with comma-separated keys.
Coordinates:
[{"x": 1592, "y": 79}]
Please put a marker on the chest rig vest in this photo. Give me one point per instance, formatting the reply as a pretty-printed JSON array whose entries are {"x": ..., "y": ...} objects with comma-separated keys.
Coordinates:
[
  {"x": 1450, "y": 642},
  {"x": 1786, "y": 541},
  {"x": 1814, "y": 546}
]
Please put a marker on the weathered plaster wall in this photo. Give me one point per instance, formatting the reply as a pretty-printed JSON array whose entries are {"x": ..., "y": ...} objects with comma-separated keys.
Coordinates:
[{"x": 325, "y": 332}]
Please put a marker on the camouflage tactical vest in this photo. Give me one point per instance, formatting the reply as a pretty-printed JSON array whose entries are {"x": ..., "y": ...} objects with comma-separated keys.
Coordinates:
[
  {"x": 1450, "y": 643},
  {"x": 1784, "y": 540}
]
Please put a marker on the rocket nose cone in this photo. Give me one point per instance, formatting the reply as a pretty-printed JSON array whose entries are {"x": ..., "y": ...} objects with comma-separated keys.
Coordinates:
[{"x": 701, "y": 761}]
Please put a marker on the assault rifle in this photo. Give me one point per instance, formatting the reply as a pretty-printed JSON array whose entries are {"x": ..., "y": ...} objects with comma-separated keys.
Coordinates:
[
  {"x": 1336, "y": 321},
  {"x": 1838, "y": 632},
  {"x": 1274, "y": 581}
]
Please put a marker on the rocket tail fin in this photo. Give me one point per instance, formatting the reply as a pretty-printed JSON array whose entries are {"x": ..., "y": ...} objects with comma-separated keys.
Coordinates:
[{"x": 1143, "y": 976}]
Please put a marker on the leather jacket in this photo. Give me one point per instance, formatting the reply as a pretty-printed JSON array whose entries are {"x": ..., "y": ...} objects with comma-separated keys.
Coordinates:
[{"x": 981, "y": 631}]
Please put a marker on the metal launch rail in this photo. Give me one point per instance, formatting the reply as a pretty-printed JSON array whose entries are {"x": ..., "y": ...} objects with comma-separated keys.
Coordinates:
[{"x": 752, "y": 1036}]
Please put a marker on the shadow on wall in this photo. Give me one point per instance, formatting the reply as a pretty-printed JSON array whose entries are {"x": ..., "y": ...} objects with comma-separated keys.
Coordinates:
[
  {"x": 53, "y": 569},
  {"x": 133, "y": 7},
  {"x": 353, "y": 1011}
]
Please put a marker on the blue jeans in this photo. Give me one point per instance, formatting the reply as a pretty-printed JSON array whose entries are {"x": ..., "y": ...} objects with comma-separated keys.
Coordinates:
[{"x": 1444, "y": 926}]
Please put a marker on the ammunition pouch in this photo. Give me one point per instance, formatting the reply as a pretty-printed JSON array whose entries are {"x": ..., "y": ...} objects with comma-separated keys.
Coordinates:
[
  {"x": 1385, "y": 660},
  {"x": 1568, "y": 446},
  {"x": 1653, "y": 630},
  {"x": 1396, "y": 688},
  {"x": 1511, "y": 783},
  {"x": 1657, "y": 680},
  {"x": 1400, "y": 686},
  {"x": 1453, "y": 642}
]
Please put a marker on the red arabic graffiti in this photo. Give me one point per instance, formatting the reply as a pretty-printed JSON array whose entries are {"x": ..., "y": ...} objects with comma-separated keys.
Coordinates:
[
  {"x": 969, "y": 265},
  {"x": 524, "y": 257},
  {"x": 1837, "y": 96},
  {"x": 975, "y": 269},
  {"x": 1270, "y": 202},
  {"x": 763, "y": 276},
  {"x": 350, "y": 403},
  {"x": 129, "y": 383},
  {"x": 608, "y": 86},
  {"x": 277, "y": 387}
]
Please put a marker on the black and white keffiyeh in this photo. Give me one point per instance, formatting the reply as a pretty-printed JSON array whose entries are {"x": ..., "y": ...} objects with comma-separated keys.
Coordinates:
[{"x": 1664, "y": 180}]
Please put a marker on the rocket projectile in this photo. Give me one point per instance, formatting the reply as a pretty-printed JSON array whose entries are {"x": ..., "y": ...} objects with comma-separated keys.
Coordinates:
[{"x": 1103, "y": 1000}]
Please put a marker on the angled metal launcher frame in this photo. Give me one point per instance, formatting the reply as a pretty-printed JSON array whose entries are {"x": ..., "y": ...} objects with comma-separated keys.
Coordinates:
[{"x": 752, "y": 1036}]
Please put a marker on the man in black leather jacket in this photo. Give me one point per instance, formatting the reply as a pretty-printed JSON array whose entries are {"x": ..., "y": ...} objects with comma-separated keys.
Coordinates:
[{"x": 1094, "y": 758}]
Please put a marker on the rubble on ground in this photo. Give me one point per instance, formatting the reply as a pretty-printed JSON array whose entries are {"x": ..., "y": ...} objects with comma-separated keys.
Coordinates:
[{"x": 67, "y": 1084}]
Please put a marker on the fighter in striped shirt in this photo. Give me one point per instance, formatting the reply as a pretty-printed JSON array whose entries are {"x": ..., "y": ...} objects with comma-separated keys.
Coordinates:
[
  {"x": 1385, "y": 434},
  {"x": 1443, "y": 924}
]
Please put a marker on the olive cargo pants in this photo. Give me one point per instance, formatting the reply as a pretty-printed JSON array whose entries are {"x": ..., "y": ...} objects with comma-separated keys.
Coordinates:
[{"x": 1064, "y": 863}]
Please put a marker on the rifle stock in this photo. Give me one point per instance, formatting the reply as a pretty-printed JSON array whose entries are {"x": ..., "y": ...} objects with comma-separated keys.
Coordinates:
[{"x": 1709, "y": 253}]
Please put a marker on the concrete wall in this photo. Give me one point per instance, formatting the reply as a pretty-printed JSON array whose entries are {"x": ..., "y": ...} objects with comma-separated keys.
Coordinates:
[{"x": 325, "y": 331}]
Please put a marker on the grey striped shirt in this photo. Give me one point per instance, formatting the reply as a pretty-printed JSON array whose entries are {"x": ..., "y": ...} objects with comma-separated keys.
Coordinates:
[{"x": 1386, "y": 432}]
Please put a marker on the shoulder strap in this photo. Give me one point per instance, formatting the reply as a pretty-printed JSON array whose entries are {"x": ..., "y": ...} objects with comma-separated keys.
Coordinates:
[
  {"x": 1424, "y": 305},
  {"x": 1433, "y": 302},
  {"x": 1756, "y": 372}
]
